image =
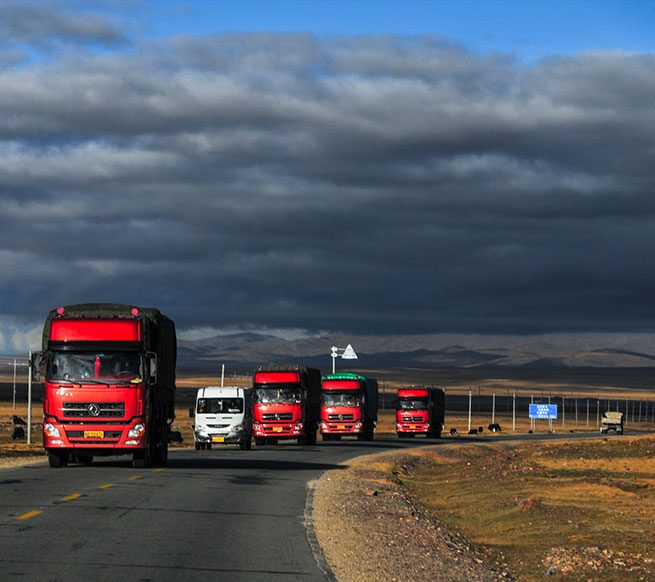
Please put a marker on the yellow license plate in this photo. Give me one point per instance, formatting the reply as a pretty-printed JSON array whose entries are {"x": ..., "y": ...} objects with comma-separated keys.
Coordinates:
[
  {"x": 413, "y": 427},
  {"x": 277, "y": 429},
  {"x": 218, "y": 440},
  {"x": 94, "y": 434},
  {"x": 342, "y": 427}
]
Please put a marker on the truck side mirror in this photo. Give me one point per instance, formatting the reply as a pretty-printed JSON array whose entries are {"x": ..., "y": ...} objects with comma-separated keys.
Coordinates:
[
  {"x": 36, "y": 363},
  {"x": 152, "y": 368}
]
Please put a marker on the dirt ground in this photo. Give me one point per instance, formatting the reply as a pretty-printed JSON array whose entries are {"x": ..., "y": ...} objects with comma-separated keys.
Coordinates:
[{"x": 370, "y": 531}]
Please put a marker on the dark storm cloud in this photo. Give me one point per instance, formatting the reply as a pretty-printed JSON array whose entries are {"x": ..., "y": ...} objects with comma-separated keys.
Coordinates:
[{"x": 371, "y": 185}]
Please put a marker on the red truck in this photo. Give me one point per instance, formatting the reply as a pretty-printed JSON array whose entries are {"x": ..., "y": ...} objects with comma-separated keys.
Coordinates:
[
  {"x": 109, "y": 375},
  {"x": 349, "y": 406},
  {"x": 420, "y": 411},
  {"x": 287, "y": 403}
]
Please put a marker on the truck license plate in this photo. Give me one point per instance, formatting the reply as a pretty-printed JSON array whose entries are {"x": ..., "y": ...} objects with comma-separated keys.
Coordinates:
[
  {"x": 94, "y": 434},
  {"x": 218, "y": 440},
  {"x": 277, "y": 429},
  {"x": 342, "y": 426},
  {"x": 412, "y": 426}
]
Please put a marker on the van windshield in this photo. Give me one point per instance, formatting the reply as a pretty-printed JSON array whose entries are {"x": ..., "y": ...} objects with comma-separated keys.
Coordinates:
[{"x": 220, "y": 405}]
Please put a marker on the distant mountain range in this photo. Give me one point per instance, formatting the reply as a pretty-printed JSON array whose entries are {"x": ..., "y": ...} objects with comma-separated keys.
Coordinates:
[{"x": 427, "y": 351}]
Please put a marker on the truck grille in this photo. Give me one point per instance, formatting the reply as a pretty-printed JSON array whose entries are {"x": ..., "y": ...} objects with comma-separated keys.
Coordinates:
[
  {"x": 79, "y": 434},
  {"x": 412, "y": 419},
  {"x": 341, "y": 417},
  {"x": 278, "y": 416},
  {"x": 218, "y": 425},
  {"x": 87, "y": 409}
]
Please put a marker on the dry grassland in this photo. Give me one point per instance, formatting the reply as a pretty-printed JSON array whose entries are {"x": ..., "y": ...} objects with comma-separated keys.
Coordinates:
[{"x": 570, "y": 511}]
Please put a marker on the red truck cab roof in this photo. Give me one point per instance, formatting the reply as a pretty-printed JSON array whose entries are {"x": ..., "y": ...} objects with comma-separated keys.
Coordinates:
[
  {"x": 341, "y": 385},
  {"x": 276, "y": 377},
  {"x": 95, "y": 329},
  {"x": 412, "y": 393}
]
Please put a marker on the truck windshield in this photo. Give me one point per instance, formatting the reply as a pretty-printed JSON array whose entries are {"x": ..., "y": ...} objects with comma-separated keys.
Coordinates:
[
  {"x": 220, "y": 405},
  {"x": 281, "y": 394},
  {"x": 412, "y": 404},
  {"x": 110, "y": 367},
  {"x": 333, "y": 398}
]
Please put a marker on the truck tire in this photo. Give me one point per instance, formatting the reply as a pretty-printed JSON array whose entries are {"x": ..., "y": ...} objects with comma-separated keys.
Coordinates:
[
  {"x": 57, "y": 459},
  {"x": 198, "y": 446},
  {"x": 260, "y": 441},
  {"x": 141, "y": 459}
]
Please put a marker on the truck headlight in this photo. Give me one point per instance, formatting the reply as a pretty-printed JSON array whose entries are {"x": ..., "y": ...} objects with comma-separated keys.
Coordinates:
[
  {"x": 136, "y": 431},
  {"x": 51, "y": 430},
  {"x": 237, "y": 428}
]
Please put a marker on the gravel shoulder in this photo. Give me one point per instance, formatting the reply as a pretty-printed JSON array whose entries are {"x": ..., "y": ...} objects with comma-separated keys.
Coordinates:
[{"x": 369, "y": 530}]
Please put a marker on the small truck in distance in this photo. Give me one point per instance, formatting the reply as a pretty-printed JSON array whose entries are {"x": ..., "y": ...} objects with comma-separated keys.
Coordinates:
[
  {"x": 223, "y": 415},
  {"x": 349, "y": 406},
  {"x": 420, "y": 411},
  {"x": 611, "y": 421}
]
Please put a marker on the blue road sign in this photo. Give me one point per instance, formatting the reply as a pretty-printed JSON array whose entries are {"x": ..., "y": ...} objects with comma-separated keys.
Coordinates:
[{"x": 543, "y": 411}]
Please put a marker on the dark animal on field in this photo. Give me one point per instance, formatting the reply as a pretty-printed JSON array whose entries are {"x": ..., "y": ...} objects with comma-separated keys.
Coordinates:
[
  {"x": 494, "y": 427},
  {"x": 19, "y": 433},
  {"x": 480, "y": 429},
  {"x": 18, "y": 420},
  {"x": 453, "y": 431},
  {"x": 473, "y": 431}
]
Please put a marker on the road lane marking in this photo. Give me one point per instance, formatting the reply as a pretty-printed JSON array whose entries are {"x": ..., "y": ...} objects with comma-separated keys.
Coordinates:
[
  {"x": 71, "y": 497},
  {"x": 107, "y": 486},
  {"x": 157, "y": 470},
  {"x": 30, "y": 514},
  {"x": 135, "y": 477}
]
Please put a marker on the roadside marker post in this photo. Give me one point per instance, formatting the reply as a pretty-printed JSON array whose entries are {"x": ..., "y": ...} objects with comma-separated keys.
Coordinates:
[{"x": 347, "y": 353}]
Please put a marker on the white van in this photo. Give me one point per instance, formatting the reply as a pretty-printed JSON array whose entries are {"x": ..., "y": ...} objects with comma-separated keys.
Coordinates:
[{"x": 223, "y": 416}]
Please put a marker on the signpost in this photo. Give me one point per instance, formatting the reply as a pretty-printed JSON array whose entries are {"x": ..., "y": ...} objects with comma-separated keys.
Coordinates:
[
  {"x": 348, "y": 353},
  {"x": 544, "y": 412}
]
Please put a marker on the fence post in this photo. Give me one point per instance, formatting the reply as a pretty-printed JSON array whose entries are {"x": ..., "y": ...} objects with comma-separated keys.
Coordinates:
[
  {"x": 493, "y": 408},
  {"x": 514, "y": 412},
  {"x": 470, "y": 401}
]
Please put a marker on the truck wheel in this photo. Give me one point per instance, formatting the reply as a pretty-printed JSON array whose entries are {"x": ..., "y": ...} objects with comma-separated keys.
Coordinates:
[
  {"x": 248, "y": 444},
  {"x": 401, "y": 435},
  {"x": 57, "y": 459},
  {"x": 141, "y": 459},
  {"x": 197, "y": 446},
  {"x": 260, "y": 441},
  {"x": 243, "y": 445}
]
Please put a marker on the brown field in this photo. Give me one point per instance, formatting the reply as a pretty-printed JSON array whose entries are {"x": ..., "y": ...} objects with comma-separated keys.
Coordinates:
[{"x": 571, "y": 511}]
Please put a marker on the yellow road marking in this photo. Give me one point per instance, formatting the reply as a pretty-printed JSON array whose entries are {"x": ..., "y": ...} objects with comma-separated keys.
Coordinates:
[
  {"x": 30, "y": 514},
  {"x": 70, "y": 497},
  {"x": 135, "y": 477},
  {"x": 107, "y": 486},
  {"x": 157, "y": 470}
]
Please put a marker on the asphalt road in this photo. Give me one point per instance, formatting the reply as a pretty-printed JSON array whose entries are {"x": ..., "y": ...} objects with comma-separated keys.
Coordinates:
[{"x": 223, "y": 514}]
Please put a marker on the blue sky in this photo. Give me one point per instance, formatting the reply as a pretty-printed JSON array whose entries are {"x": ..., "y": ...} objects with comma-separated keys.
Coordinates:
[
  {"x": 528, "y": 29},
  {"x": 353, "y": 167}
]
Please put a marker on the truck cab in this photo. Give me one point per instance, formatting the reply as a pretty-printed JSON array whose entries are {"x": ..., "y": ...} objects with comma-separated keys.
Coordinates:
[
  {"x": 223, "y": 415},
  {"x": 349, "y": 405},
  {"x": 420, "y": 411}
]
